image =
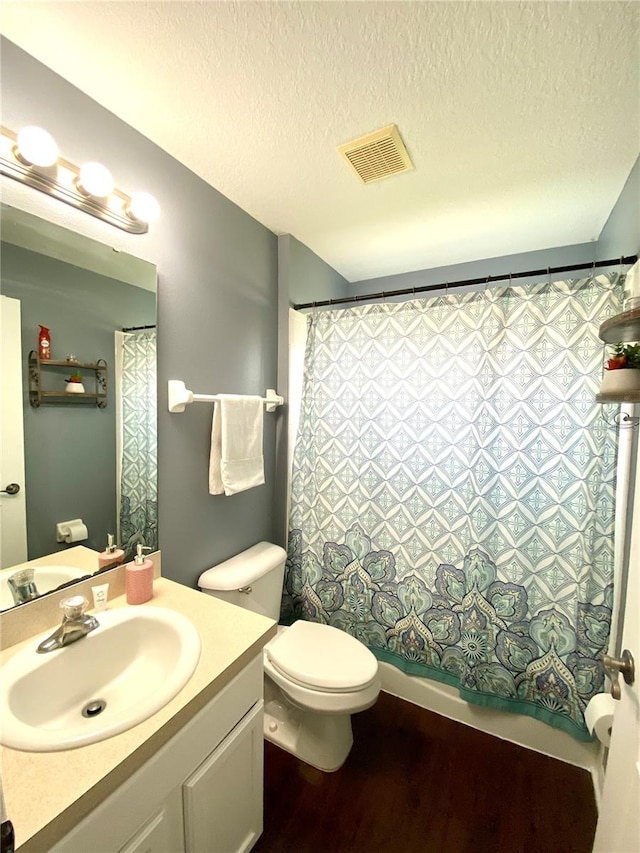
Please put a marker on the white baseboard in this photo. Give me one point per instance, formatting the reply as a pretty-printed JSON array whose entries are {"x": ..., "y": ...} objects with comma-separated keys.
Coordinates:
[{"x": 597, "y": 775}]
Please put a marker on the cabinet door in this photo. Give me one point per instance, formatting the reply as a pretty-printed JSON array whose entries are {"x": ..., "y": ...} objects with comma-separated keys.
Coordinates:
[
  {"x": 163, "y": 833},
  {"x": 223, "y": 798}
]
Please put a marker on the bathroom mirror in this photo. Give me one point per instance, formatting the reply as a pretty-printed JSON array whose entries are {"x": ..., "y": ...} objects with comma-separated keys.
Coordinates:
[{"x": 77, "y": 448}]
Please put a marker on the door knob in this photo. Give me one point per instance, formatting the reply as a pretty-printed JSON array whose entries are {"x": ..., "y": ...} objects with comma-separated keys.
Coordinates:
[
  {"x": 12, "y": 489},
  {"x": 626, "y": 665}
]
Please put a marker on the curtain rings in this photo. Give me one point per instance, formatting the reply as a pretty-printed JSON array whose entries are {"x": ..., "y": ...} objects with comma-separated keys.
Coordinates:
[
  {"x": 487, "y": 292},
  {"x": 621, "y": 275}
]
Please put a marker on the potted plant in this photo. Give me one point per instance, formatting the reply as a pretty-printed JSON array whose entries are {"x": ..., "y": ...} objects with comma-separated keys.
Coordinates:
[
  {"x": 622, "y": 371},
  {"x": 74, "y": 383}
]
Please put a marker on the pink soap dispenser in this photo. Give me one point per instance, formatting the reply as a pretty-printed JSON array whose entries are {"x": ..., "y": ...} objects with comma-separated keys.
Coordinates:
[
  {"x": 139, "y": 578},
  {"x": 111, "y": 556}
]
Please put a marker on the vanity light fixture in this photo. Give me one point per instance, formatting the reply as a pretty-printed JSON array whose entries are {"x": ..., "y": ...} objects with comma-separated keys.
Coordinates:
[
  {"x": 95, "y": 180},
  {"x": 36, "y": 147},
  {"x": 31, "y": 157},
  {"x": 144, "y": 207}
]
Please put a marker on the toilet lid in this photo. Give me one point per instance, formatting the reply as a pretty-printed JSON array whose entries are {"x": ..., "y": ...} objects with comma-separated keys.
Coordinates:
[{"x": 322, "y": 657}]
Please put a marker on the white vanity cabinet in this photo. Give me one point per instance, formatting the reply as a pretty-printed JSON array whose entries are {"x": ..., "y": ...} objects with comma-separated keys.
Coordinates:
[
  {"x": 202, "y": 792},
  {"x": 222, "y": 800},
  {"x": 162, "y": 833}
]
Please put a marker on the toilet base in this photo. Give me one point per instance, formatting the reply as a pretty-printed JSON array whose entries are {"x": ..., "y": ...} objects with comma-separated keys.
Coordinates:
[{"x": 321, "y": 740}]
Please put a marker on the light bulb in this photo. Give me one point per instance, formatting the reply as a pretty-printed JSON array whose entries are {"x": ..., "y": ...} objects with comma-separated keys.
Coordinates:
[
  {"x": 143, "y": 207},
  {"x": 36, "y": 147},
  {"x": 95, "y": 180}
]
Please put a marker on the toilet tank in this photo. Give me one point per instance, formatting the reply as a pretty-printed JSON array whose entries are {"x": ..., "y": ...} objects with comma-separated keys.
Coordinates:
[{"x": 252, "y": 579}]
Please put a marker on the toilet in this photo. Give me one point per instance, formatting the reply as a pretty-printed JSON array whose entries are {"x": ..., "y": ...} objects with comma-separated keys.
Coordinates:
[{"x": 316, "y": 676}]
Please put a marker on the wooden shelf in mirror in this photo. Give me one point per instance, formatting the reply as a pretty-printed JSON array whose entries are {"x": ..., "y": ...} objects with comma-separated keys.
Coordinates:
[
  {"x": 72, "y": 365},
  {"x": 39, "y": 396},
  {"x": 622, "y": 327}
]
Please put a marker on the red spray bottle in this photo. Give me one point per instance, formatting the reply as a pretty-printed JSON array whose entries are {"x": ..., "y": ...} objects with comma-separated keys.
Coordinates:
[{"x": 44, "y": 344}]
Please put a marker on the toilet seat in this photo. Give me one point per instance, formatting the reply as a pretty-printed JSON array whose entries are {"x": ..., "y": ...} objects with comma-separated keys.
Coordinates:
[
  {"x": 322, "y": 658},
  {"x": 322, "y": 701}
]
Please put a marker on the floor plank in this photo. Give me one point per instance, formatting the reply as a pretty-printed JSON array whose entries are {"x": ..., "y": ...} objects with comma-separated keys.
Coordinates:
[{"x": 417, "y": 782}]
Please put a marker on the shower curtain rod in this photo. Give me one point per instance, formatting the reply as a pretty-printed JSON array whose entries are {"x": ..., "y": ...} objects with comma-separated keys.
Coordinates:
[
  {"x": 629, "y": 259},
  {"x": 137, "y": 328}
]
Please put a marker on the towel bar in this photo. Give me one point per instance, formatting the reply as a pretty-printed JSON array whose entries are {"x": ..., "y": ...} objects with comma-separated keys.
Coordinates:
[{"x": 180, "y": 396}]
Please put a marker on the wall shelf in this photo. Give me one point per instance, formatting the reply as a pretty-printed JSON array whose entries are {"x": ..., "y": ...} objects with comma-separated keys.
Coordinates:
[
  {"x": 622, "y": 327},
  {"x": 626, "y": 397},
  {"x": 40, "y": 396}
]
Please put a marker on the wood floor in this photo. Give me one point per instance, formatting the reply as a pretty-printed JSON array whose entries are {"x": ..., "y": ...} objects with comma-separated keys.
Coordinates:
[{"x": 416, "y": 782}]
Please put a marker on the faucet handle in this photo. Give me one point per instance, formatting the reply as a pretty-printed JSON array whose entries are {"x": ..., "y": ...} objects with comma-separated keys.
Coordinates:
[{"x": 74, "y": 607}]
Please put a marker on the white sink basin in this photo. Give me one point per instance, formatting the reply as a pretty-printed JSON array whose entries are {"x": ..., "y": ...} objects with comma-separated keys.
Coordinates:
[
  {"x": 46, "y": 579},
  {"x": 135, "y": 662}
]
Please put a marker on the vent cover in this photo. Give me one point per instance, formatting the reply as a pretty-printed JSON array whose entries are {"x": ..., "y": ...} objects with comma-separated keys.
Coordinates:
[{"x": 378, "y": 155}]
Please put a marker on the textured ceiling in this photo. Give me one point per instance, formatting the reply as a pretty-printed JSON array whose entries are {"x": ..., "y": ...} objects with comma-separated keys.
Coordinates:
[{"x": 522, "y": 119}]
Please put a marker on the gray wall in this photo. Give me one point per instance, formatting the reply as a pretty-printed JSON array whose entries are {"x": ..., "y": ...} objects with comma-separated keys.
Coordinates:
[
  {"x": 217, "y": 309},
  {"x": 302, "y": 276},
  {"x": 308, "y": 277},
  {"x": 621, "y": 233},
  {"x": 70, "y": 459},
  {"x": 542, "y": 259}
]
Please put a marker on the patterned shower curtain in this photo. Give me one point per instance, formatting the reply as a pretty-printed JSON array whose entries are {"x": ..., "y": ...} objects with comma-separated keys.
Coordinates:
[
  {"x": 453, "y": 491},
  {"x": 139, "y": 465}
]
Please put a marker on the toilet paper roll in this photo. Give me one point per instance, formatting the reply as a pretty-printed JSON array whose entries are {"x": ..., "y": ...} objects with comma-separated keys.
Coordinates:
[
  {"x": 75, "y": 531},
  {"x": 599, "y": 716}
]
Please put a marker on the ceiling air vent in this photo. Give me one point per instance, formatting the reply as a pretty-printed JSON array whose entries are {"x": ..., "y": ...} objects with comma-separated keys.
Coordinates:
[{"x": 378, "y": 155}]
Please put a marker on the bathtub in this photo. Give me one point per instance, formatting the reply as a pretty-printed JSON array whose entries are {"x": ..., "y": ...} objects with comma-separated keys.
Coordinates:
[{"x": 516, "y": 728}]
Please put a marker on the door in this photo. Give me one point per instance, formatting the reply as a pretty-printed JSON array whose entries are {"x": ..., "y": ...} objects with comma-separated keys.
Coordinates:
[
  {"x": 163, "y": 832},
  {"x": 13, "y": 520},
  {"x": 618, "y": 828},
  {"x": 223, "y": 798}
]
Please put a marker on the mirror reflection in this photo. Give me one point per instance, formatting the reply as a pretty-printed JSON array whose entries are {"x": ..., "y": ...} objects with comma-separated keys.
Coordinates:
[{"x": 78, "y": 428}]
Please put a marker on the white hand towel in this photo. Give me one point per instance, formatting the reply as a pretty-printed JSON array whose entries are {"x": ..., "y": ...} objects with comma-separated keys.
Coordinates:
[{"x": 236, "y": 461}]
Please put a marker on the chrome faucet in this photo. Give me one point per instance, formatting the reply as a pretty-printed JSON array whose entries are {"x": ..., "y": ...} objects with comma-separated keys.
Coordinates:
[
  {"x": 75, "y": 625},
  {"x": 22, "y": 585}
]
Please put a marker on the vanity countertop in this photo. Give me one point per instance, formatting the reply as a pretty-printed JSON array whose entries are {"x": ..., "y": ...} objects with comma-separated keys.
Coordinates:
[
  {"x": 47, "y": 793},
  {"x": 79, "y": 557}
]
